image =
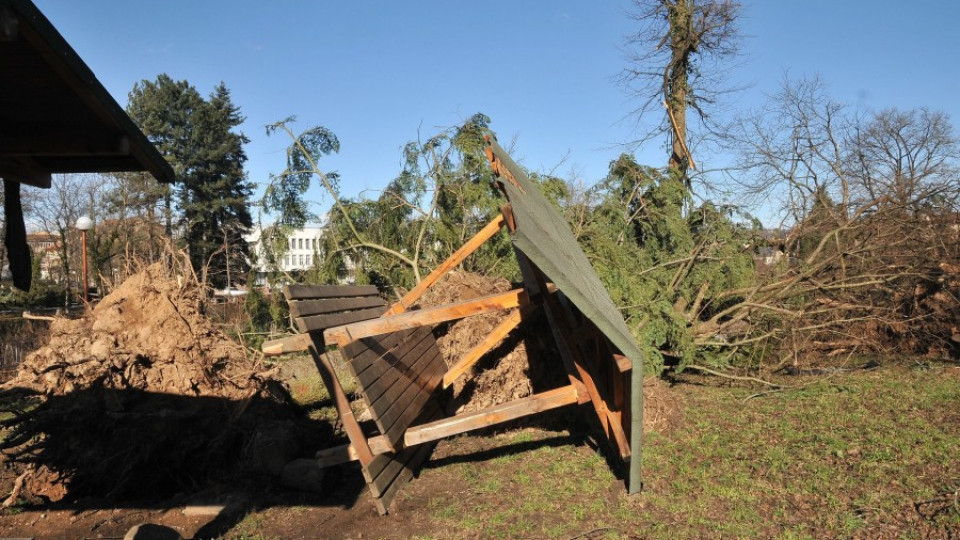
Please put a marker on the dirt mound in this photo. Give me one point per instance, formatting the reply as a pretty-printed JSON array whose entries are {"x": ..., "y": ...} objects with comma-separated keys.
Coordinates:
[
  {"x": 143, "y": 396},
  {"x": 662, "y": 407},
  {"x": 504, "y": 374},
  {"x": 148, "y": 334}
]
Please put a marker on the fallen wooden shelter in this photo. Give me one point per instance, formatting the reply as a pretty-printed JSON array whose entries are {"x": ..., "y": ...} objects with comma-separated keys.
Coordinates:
[{"x": 399, "y": 370}]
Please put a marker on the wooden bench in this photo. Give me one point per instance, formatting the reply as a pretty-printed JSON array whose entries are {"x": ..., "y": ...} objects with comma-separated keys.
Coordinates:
[
  {"x": 399, "y": 370},
  {"x": 397, "y": 375}
]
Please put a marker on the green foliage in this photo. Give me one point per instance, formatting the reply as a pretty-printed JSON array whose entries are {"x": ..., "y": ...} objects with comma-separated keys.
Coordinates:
[
  {"x": 197, "y": 136},
  {"x": 665, "y": 263},
  {"x": 443, "y": 195}
]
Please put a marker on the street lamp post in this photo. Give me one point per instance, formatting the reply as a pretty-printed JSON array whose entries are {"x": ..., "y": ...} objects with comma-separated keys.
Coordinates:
[{"x": 84, "y": 224}]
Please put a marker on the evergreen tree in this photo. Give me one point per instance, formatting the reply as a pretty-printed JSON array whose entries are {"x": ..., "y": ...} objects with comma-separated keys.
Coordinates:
[{"x": 210, "y": 203}]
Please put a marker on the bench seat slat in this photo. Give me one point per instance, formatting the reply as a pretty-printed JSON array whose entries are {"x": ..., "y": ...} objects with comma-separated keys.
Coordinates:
[{"x": 304, "y": 308}]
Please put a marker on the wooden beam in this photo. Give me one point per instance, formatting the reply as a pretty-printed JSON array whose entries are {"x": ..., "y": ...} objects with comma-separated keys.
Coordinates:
[
  {"x": 336, "y": 456},
  {"x": 452, "y": 262},
  {"x": 24, "y": 170},
  {"x": 284, "y": 345},
  {"x": 509, "y": 322},
  {"x": 357, "y": 439},
  {"x": 462, "y": 423},
  {"x": 40, "y": 142},
  {"x": 561, "y": 329},
  {"x": 342, "y": 335}
]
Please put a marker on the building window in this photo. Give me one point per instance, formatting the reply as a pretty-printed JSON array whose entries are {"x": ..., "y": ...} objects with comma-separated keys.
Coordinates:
[
  {"x": 301, "y": 260},
  {"x": 314, "y": 244},
  {"x": 293, "y": 243},
  {"x": 300, "y": 241}
]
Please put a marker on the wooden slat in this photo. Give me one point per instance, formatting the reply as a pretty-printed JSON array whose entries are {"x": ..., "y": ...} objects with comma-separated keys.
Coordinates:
[
  {"x": 410, "y": 459},
  {"x": 387, "y": 354},
  {"x": 367, "y": 349},
  {"x": 289, "y": 344},
  {"x": 452, "y": 262},
  {"x": 322, "y": 322},
  {"x": 378, "y": 380},
  {"x": 476, "y": 353},
  {"x": 303, "y": 308},
  {"x": 462, "y": 423},
  {"x": 418, "y": 455},
  {"x": 350, "y": 332},
  {"x": 298, "y": 292},
  {"x": 405, "y": 410},
  {"x": 398, "y": 395}
]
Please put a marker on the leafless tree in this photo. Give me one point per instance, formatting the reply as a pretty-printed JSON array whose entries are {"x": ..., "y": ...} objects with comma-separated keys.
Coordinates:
[
  {"x": 868, "y": 208},
  {"x": 677, "y": 61}
]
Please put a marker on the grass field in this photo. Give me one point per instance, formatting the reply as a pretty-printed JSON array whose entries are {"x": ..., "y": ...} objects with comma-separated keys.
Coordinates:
[{"x": 871, "y": 454}]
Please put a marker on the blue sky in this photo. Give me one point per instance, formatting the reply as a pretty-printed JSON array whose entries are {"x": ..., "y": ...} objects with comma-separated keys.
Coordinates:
[{"x": 376, "y": 73}]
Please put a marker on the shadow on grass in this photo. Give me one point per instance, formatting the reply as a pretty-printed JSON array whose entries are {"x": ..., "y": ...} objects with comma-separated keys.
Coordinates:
[{"x": 101, "y": 448}]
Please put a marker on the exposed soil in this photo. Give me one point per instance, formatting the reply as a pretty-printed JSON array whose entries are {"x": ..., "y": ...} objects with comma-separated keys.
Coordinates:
[
  {"x": 143, "y": 397},
  {"x": 505, "y": 373}
]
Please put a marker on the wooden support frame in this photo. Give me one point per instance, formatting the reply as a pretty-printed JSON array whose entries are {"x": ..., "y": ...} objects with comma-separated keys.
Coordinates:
[
  {"x": 395, "y": 360},
  {"x": 343, "y": 335},
  {"x": 507, "y": 325}
]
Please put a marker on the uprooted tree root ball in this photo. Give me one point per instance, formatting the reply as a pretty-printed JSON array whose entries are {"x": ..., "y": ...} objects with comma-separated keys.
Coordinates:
[{"x": 143, "y": 397}]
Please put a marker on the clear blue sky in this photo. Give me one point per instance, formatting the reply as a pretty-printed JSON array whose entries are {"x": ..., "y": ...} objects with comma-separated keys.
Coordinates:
[{"x": 377, "y": 72}]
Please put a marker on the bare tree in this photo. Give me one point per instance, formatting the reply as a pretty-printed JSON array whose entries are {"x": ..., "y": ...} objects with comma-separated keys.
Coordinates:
[
  {"x": 869, "y": 222},
  {"x": 906, "y": 157},
  {"x": 677, "y": 61}
]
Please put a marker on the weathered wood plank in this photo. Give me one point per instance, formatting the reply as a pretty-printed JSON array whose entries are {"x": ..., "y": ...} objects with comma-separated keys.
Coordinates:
[
  {"x": 462, "y": 423},
  {"x": 394, "y": 433},
  {"x": 382, "y": 325},
  {"x": 492, "y": 339},
  {"x": 452, "y": 262},
  {"x": 362, "y": 349},
  {"x": 322, "y": 322},
  {"x": 396, "y": 370},
  {"x": 392, "y": 396},
  {"x": 298, "y": 292},
  {"x": 337, "y": 455},
  {"x": 304, "y": 308},
  {"x": 412, "y": 459},
  {"x": 288, "y": 344}
]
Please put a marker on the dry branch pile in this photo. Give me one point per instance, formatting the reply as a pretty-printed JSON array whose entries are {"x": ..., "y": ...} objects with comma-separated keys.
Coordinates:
[{"x": 141, "y": 397}]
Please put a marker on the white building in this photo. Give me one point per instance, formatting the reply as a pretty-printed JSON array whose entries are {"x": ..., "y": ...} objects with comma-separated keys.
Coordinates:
[{"x": 301, "y": 254}]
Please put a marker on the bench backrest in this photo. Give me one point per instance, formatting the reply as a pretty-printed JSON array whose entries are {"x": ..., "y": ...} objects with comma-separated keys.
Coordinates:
[{"x": 397, "y": 373}]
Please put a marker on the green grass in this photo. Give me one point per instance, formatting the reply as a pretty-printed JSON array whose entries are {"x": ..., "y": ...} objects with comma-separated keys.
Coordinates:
[{"x": 835, "y": 459}]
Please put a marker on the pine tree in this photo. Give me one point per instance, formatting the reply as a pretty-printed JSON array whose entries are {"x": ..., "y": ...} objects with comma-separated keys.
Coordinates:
[{"x": 209, "y": 203}]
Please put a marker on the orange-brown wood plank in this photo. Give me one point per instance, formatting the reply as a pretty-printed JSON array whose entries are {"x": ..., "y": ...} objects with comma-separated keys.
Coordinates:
[
  {"x": 452, "y": 262},
  {"x": 321, "y": 322},
  {"x": 304, "y": 308},
  {"x": 424, "y": 317},
  {"x": 462, "y": 423},
  {"x": 285, "y": 345},
  {"x": 491, "y": 340}
]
